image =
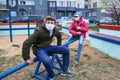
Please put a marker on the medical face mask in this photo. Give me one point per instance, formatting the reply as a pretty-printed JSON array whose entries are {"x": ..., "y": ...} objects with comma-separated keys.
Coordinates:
[
  {"x": 76, "y": 19},
  {"x": 50, "y": 26}
]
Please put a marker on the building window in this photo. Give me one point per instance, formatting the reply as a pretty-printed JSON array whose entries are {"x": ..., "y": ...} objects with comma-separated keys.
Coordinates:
[
  {"x": 12, "y": 3},
  {"x": 52, "y": 4},
  {"x": 62, "y": 3},
  {"x": 3, "y": 2},
  {"x": 40, "y": 1},
  {"x": 13, "y": 13},
  {"x": 86, "y": 0},
  {"x": 86, "y": 6},
  {"x": 68, "y": 3},
  {"x": 95, "y": 5},
  {"x": 22, "y": 13},
  {"x": 72, "y": 4},
  {"x": 61, "y": 14},
  {"x": 79, "y": 6},
  {"x": 22, "y": 2}
]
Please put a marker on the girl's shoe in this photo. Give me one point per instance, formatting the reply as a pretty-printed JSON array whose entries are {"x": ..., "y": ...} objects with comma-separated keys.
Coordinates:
[
  {"x": 75, "y": 64},
  {"x": 67, "y": 73}
]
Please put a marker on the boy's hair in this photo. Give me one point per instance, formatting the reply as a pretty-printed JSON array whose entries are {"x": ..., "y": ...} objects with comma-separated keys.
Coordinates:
[{"x": 50, "y": 18}]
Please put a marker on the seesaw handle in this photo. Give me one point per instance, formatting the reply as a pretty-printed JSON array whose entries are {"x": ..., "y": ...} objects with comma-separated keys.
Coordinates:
[{"x": 14, "y": 69}]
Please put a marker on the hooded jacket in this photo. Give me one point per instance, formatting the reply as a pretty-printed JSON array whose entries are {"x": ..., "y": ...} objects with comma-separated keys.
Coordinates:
[
  {"x": 39, "y": 39},
  {"x": 82, "y": 24}
]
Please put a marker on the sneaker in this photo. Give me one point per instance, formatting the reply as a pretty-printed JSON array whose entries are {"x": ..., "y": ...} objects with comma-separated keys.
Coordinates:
[
  {"x": 67, "y": 73},
  {"x": 75, "y": 64},
  {"x": 52, "y": 78}
]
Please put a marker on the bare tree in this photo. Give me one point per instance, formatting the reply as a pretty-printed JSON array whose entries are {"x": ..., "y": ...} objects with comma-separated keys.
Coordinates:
[{"x": 114, "y": 7}]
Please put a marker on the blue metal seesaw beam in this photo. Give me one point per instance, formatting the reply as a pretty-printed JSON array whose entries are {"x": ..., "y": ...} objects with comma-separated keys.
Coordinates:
[{"x": 14, "y": 69}]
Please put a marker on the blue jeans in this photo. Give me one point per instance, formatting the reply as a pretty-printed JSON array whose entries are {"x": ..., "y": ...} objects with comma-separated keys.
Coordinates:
[
  {"x": 73, "y": 39},
  {"x": 43, "y": 56}
]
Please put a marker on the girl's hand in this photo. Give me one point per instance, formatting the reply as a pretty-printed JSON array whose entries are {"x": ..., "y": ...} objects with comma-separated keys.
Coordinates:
[
  {"x": 78, "y": 33},
  {"x": 30, "y": 61},
  {"x": 78, "y": 27}
]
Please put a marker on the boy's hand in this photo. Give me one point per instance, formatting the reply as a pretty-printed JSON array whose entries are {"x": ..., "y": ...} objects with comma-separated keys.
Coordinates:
[
  {"x": 30, "y": 61},
  {"x": 78, "y": 27},
  {"x": 78, "y": 33}
]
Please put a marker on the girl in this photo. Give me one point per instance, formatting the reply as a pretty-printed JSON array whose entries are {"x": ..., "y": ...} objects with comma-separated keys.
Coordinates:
[{"x": 78, "y": 30}]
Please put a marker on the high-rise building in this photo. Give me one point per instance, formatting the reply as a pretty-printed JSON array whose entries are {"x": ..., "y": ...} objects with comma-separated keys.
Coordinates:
[{"x": 55, "y": 8}]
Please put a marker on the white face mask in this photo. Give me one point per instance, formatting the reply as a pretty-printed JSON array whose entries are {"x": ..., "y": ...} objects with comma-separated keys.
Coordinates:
[
  {"x": 76, "y": 19},
  {"x": 50, "y": 26}
]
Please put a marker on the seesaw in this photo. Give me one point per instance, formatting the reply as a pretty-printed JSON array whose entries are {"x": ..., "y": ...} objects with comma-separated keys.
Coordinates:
[{"x": 37, "y": 71}]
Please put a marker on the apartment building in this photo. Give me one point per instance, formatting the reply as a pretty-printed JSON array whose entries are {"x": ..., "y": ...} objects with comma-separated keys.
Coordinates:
[
  {"x": 96, "y": 3},
  {"x": 25, "y": 7},
  {"x": 87, "y": 4},
  {"x": 29, "y": 7},
  {"x": 55, "y": 8},
  {"x": 93, "y": 8},
  {"x": 41, "y": 7},
  {"x": 60, "y": 8}
]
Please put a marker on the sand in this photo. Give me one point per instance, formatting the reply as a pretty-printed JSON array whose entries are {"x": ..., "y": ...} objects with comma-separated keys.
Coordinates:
[{"x": 86, "y": 70}]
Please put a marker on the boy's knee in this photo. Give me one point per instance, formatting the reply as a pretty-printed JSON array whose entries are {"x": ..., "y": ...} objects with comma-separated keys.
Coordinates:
[
  {"x": 46, "y": 61},
  {"x": 66, "y": 50}
]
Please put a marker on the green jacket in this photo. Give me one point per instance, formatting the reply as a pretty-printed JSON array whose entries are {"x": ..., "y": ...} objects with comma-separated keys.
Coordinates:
[{"x": 39, "y": 39}]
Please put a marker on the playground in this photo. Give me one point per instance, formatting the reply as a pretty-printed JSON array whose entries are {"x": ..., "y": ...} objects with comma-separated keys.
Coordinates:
[{"x": 93, "y": 64}]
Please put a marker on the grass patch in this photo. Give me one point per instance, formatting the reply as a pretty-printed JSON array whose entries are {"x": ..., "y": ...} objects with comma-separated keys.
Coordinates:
[
  {"x": 94, "y": 28},
  {"x": 2, "y": 51},
  {"x": 111, "y": 65},
  {"x": 97, "y": 64},
  {"x": 85, "y": 45},
  {"x": 2, "y": 60},
  {"x": 15, "y": 45},
  {"x": 84, "y": 74},
  {"x": 82, "y": 63},
  {"x": 73, "y": 49},
  {"x": 106, "y": 57},
  {"x": 95, "y": 53},
  {"x": 87, "y": 56}
]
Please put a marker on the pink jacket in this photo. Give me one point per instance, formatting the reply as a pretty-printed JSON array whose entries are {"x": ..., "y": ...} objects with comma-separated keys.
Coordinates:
[{"x": 82, "y": 24}]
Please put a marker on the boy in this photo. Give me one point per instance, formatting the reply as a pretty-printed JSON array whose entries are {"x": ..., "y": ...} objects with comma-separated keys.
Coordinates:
[{"x": 40, "y": 41}]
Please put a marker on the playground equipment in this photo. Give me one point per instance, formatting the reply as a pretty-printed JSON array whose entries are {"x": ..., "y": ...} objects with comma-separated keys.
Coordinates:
[
  {"x": 107, "y": 40},
  {"x": 10, "y": 24},
  {"x": 37, "y": 71},
  {"x": 59, "y": 68}
]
